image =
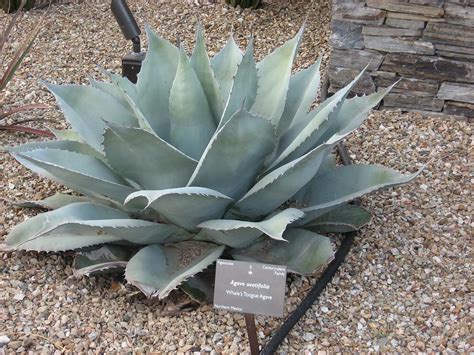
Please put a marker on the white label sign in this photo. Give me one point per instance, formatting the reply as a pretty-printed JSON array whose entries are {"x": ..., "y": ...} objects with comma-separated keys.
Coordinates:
[{"x": 247, "y": 287}]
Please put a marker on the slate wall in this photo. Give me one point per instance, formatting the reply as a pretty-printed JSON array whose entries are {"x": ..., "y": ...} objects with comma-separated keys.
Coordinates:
[{"x": 428, "y": 44}]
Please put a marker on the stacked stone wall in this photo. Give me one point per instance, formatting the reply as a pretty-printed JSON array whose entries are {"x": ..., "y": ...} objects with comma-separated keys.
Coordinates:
[{"x": 426, "y": 44}]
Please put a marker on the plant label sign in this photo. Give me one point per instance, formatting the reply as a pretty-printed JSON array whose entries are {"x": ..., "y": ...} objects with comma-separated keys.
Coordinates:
[{"x": 247, "y": 287}]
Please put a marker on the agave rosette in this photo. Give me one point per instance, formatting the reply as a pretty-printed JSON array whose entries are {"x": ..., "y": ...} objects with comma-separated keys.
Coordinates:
[{"x": 198, "y": 159}]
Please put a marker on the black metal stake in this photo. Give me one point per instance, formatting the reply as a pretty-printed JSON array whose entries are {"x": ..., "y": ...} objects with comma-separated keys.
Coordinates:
[
  {"x": 252, "y": 333},
  {"x": 132, "y": 62}
]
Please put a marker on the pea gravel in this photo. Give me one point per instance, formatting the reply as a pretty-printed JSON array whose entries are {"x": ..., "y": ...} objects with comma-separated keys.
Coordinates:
[{"x": 404, "y": 287}]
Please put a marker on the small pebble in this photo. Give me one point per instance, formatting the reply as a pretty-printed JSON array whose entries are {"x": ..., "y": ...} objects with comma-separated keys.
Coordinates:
[
  {"x": 4, "y": 340},
  {"x": 15, "y": 345}
]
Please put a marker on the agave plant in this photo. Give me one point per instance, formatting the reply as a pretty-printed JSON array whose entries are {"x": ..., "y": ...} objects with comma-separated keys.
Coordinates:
[{"x": 202, "y": 158}]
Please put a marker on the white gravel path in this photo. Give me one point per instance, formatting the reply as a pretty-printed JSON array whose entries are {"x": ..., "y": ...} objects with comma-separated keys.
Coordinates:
[{"x": 406, "y": 285}]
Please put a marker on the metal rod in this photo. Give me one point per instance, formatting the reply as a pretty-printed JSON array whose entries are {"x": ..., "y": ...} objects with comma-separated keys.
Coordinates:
[
  {"x": 344, "y": 153},
  {"x": 252, "y": 333}
]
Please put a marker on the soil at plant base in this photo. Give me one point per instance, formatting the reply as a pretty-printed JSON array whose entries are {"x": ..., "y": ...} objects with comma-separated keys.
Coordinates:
[{"x": 404, "y": 286}]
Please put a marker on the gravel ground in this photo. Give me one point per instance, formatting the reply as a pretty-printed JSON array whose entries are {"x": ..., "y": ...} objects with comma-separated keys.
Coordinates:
[{"x": 404, "y": 287}]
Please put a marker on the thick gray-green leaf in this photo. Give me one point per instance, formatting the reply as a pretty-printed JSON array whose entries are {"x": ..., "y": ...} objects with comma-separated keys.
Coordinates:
[
  {"x": 136, "y": 231},
  {"x": 185, "y": 207},
  {"x": 53, "y": 202},
  {"x": 273, "y": 226},
  {"x": 157, "y": 270},
  {"x": 327, "y": 164},
  {"x": 146, "y": 158},
  {"x": 192, "y": 123},
  {"x": 59, "y": 200},
  {"x": 129, "y": 94},
  {"x": 158, "y": 233},
  {"x": 69, "y": 145},
  {"x": 87, "y": 109},
  {"x": 347, "y": 183},
  {"x": 235, "y": 155},
  {"x": 45, "y": 222},
  {"x": 154, "y": 82},
  {"x": 240, "y": 238},
  {"x": 68, "y": 232},
  {"x": 301, "y": 138},
  {"x": 353, "y": 113},
  {"x": 304, "y": 253},
  {"x": 114, "y": 91},
  {"x": 78, "y": 234},
  {"x": 302, "y": 93},
  {"x": 343, "y": 219},
  {"x": 274, "y": 73},
  {"x": 224, "y": 64},
  {"x": 202, "y": 67},
  {"x": 80, "y": 172},
  {"x": 101, "y": 260},
  {"x": 108, "y": 88},
  {"x": 282, "y": 183},
  {"x": 244, "y": 86},
  {"x": 66, "y": 134}
]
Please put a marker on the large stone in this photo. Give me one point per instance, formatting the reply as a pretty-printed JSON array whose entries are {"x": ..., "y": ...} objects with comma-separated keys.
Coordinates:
[
  {"x": 357, "y": 14},
  {"x": 396, "y": 90},
  {"x": 455, "y": 49},
  {"x": 412, "y": 101},
  {"x": 423, "y": 87},
  {"x": 339, "y": 2},
  {"x": 432, "y": 114},
  {"x": 390, "y": 31},
  {"x": 438, "y": 3},
  {"x": 459, "y": 14},
  {"x": 340, "y": 77},
  {"x": 395, "y": 22},
  {"x": 346, "y": 35},
  {"x": 404, "y": 16},
  {"x": 356, "y": 59},
  {"x": 398, "y": 45},
  {"x": 456, "y": 52},
  {"x": 461, "y": 2},
  {"x": 429, "y": 67},
  {"x": 397, "y": 6},
  {"x": 341, "y": 8},
  {"x": 385, "y": 75},
  {"x": 460, "y": 56},
  {"x": 456, "y": 92},
  {"x": 459, "y": 109},
  {"x": 450, "y": 34}
]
